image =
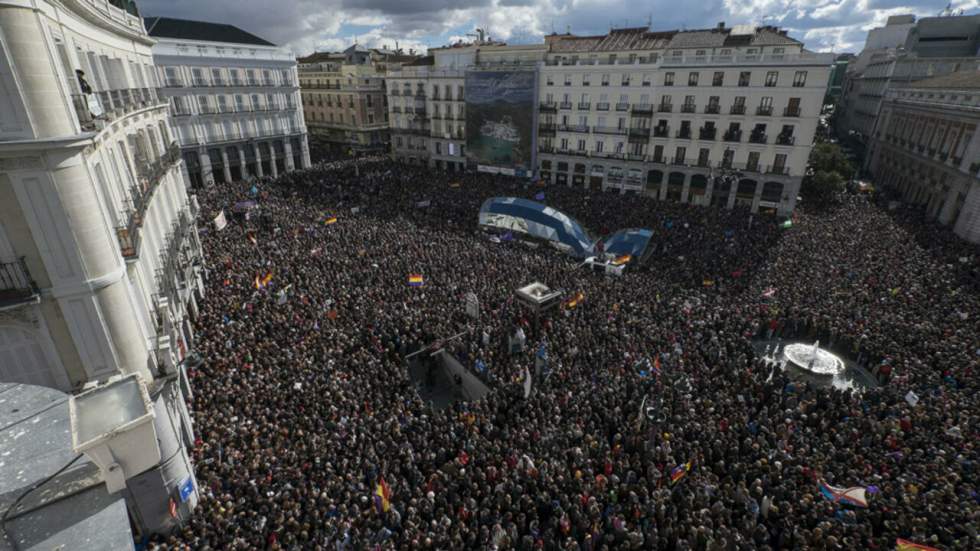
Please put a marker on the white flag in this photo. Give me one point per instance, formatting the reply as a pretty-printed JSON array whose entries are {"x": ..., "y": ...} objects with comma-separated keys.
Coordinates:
[
  {"x": 220, "y": 222},
  {"x": 527, "y": 383}
]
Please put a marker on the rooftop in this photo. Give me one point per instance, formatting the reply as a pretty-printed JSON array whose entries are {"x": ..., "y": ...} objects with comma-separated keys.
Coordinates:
[
  {"x": 963, "y": 80},
  {"x": 641, "y": 38},
  {"x": 185, "y": 29},
  {"x": 321, "y": 57}
]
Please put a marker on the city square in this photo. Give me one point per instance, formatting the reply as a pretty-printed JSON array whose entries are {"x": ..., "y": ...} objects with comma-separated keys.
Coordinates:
[{"x": 628, "y": 287}]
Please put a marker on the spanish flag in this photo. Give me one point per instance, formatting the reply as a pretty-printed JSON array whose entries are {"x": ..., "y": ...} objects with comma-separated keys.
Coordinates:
[
  {"x": 576, "y": 300},
  {"x": 679, "y": 472},
  {"x": 621, "y": 260},
  {"x": 382, "y": 496},
  {"x": 257, "y": 283},
  {"x": 906, "y": 545},
  {"x": 709, "y": 283},
  {"x": 266, "y": 279},
  {"x": 251, "y": 237},
  {"x": 330, "y": 220},
  {"x": 415, "y": 280}
]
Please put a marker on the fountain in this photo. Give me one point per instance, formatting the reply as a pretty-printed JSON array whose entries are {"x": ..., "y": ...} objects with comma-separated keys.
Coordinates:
[{"x": 813, "y": 359}]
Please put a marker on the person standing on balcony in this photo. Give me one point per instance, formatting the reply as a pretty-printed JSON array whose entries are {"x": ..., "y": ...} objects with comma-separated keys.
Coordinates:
[{"x": 91, "y": 100}]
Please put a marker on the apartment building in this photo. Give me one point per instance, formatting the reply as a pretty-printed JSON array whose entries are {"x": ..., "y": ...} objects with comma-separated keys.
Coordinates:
[
  {"x": 100, "y": 264},
  {"x": 344, "y": 100},
  {"x": 234, "y": 100},
  {"x": 909, "y": 51},
  {"x": 426, "y": 99},
  {"x": 664, "y": 113},
  {"x": 926, "y": 146}
]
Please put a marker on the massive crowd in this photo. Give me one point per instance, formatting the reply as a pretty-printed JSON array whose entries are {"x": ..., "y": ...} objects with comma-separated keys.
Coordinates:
[{"x": 303, "y": 404}]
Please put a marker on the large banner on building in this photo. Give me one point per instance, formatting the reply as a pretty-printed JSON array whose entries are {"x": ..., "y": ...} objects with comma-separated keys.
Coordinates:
[{"x": 500, "y": 120}]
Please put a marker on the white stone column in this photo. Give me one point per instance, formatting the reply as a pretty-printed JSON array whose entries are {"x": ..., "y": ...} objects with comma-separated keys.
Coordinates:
[
  {"x": 272, "y": 161},
  {"x": 757, "y": 196},
  {"x": 290, "y": 163},
  {"x": 87, "y": 274},
  {"x": 225, "y": 165},
  {"x": 949, "y": 202},
  {"x": 27, "y": 50},
  {"x": 305, "y": 154},
  {"x": 967, "y": 225},
  {"x": 207, "y": 173},
  {"x": 732, "y": 191},
  {"x": 686, "y": 189},
  {"x": 241, "y": 160},
  {"x": 258, "y": 162},
  {"x": 662, "y": 195}
]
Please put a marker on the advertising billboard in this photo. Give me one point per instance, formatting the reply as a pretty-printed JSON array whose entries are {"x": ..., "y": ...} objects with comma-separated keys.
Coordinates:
[{"x": 500, "y": 120}]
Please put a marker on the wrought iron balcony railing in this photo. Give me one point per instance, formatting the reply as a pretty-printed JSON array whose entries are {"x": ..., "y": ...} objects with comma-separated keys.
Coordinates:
[
  {"x": 97, "y": 109},
  {"x": 16, "y": 285},
  {"x": 149, "y": 174}
]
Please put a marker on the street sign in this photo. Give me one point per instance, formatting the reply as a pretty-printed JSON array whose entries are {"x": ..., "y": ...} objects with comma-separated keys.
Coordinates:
[{"x": 186, "y": 489}]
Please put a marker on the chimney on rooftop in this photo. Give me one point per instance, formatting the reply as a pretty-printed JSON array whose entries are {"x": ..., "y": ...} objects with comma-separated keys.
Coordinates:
[{"x": 721, "y": 25}]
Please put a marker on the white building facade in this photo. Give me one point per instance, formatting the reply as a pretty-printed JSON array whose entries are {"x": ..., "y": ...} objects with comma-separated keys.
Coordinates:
[
  {"x": 927, "y": 148},
  {"x": 234, "y": 101},
  {"x": 100, "y": 263},
  {"x": 664, "y": 113}
]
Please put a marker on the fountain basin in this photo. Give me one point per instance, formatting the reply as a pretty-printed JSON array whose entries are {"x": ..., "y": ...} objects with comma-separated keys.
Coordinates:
[{"x": 813, "y": 359}]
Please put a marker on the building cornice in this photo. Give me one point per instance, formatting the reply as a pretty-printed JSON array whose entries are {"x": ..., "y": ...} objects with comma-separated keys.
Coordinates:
[
  {"x": 76, "y": 141},
  {"x": 133, "y": 29}
]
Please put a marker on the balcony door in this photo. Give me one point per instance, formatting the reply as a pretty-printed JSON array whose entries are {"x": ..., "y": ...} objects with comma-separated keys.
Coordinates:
[{"x": 793, "y": 106}]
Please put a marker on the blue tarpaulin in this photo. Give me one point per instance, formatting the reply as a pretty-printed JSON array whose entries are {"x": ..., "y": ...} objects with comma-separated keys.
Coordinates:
[
  {"x": 631, "y": 241},
  {"x": 536, "y": 220}
]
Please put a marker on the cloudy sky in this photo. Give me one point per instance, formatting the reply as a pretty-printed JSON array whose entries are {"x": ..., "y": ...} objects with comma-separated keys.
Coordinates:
[{"x": 308, "y": 25}]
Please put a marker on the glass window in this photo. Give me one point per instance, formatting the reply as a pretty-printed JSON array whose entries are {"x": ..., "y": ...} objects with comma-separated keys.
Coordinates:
[
  {"x": 692, "y": 78},
  {"x": 668, "y": 79},
  {"x": 772, "y": 77}
]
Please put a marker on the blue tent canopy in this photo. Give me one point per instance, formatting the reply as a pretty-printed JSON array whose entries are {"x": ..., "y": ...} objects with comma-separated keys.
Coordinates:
[
  {"x": 631, "y": 241},
  {"x": 536, "y": 220}
]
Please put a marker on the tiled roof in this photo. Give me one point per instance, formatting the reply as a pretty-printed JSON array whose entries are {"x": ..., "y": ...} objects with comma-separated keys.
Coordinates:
[
  {"x": 770, "y": 36},
  {"x": 639, "y": 38},
  {"x": 962, "y": 80},
  {"x": 699, "y": 39},
  {"x": 422, "y": 61},
  {"x": 167, "y": 27},
  {"x": 320, "y": 57}
]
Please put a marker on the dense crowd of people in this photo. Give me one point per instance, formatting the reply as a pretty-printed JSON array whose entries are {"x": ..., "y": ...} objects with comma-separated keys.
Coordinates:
[{"x": 303, "y": 405}]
